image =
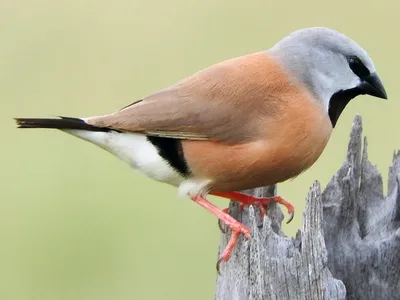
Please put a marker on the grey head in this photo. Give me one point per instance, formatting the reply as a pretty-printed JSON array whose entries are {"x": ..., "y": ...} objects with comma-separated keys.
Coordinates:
[{"x": 334, "y": 68}]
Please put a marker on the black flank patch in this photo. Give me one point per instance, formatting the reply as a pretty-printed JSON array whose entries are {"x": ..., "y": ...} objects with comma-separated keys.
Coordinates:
[{"x": 171, "y": 150}]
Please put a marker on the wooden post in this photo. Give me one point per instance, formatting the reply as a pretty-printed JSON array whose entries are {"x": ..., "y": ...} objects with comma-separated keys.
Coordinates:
[{"x": 348, "y": 247}]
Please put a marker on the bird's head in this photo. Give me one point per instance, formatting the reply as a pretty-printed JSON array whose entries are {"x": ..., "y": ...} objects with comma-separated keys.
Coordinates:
[{"x": 334, "y": 68}]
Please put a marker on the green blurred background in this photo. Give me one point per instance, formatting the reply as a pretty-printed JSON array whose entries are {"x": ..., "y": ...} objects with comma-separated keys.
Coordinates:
[{"x": 75, "y": 222}]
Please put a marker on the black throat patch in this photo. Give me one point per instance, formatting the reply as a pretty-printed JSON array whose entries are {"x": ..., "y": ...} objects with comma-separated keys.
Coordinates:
[
  {"x": 338, "y": 102},
  {"x": 171, "y": 150}
]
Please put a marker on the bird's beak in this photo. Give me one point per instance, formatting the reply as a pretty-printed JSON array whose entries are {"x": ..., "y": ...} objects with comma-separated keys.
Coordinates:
[{"x": 372, "y": 85}]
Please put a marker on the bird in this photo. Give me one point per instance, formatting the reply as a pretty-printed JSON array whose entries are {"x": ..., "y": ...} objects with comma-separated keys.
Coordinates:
[{"x": 253, "y": 120}]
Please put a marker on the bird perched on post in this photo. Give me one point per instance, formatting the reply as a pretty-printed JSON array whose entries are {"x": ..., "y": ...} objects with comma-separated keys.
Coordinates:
[{"x": 246, "y": 122}]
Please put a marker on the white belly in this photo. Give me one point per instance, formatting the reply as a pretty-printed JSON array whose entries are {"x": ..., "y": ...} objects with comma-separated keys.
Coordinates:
[{"x": 135, "y": 150}]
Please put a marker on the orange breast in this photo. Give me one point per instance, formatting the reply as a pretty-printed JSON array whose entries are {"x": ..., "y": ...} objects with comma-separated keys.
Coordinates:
[{"x": 293, "y": 137}]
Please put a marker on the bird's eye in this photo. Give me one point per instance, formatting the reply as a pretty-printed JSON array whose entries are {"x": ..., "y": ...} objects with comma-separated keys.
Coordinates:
[{"x": 357, "y": 66}]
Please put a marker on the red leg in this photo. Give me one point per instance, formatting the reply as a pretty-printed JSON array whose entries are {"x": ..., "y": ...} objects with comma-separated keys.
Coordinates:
[
  {"x": 228, "y": 249},
  {"x": 261, "y": 202},
  {"x": 236, "y": 227},
  {"x": 225, "y": 210}
]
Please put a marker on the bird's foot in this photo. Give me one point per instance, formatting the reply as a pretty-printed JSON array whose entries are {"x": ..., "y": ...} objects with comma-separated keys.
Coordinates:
[
  {"x": 260, "y": 202},
  {"x": 226, "y": 254},
  {"x": 236, "y": 227},
  {"x": 226, "y": 210}
]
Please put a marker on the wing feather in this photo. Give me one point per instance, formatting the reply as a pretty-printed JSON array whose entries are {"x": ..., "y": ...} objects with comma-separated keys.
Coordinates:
[{"x": 229, "y": 101}]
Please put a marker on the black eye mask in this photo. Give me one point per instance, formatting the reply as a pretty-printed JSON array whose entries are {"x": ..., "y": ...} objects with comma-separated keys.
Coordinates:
[{"x": 357, "y": 66}]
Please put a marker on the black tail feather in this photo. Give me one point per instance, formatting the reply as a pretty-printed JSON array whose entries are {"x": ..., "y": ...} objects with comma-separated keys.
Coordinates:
[{"x": 62, "y": 123}]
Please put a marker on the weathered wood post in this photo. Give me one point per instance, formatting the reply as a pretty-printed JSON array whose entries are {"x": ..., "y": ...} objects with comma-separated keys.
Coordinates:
[{"x": 348, "y": 247}]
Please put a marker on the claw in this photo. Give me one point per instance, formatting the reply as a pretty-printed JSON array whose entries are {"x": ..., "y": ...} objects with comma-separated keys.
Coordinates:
[
  {"x": 290, "y": 218},
  {"x": 221, "y": 227},
  {"x": 219, "y": 261},
  {"x": 289, "y": 207}
]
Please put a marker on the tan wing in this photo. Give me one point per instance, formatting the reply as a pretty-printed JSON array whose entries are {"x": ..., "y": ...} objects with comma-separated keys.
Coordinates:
[{"x": 229, "y": 101}]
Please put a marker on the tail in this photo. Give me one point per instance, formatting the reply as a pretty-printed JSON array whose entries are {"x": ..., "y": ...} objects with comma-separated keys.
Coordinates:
[{"x": 64, "y": 123}]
